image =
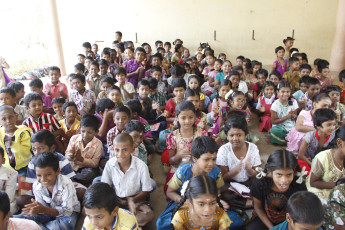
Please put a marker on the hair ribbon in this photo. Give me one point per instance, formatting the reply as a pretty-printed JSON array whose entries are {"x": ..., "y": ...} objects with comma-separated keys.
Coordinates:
[{"x": 261, "y": 173}]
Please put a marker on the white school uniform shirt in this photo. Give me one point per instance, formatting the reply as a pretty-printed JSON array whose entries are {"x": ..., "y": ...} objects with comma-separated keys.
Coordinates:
[
  {"x": 8, "y": 183},
  {"x": 63, "y": 199},
  {"x": 226, "y": 157},
  {"x": 129, "y": 88},
  {"x": 134, "y": 181}
]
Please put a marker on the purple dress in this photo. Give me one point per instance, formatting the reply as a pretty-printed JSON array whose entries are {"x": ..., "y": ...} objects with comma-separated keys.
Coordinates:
[
  {"x": 281, "y": 69},
  {"x": 130, "y": 67},
  {"x": 295, "y": 138}
]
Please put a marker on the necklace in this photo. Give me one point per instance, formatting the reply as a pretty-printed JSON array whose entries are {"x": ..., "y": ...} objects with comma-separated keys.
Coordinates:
[{"x": 339, "y": 166}]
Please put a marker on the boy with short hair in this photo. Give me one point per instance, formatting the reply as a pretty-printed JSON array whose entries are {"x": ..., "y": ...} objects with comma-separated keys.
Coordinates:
[
  {"x": 304, "y": 211},
  {"x": 313, "y": 88},
  {"x": 95, "y": 78},
  {"x": 8, "y": 181},
  {"x": 86, "y": 47},
  {"x": 55, "y": 88},
  {"x": 305, "y": 70},
  {"x": 105, "y": 84},
  {"x": 103, "y": 67},
  {"x": 135, "y": 68},
  {"x": 8, "y": 97},
  {"x": 106, "y": 207},
  {"x": 57, "y": 104},
  {"x": 95, "y": 50},
  {"x": 159, "y": 44},
  {"x": 85, "y": 150},
  {"x": 56, "y": 203},
  {"x": 168, "y": 54},
  {"x": 15, "y": 140},
  {"x": 302, "y": 88},
  {"x": 149, "y": 113},
  {"x": 81, "y": 58},
  {"x": 293, "y": 76},
  {"x": 127, "y": 88},
  {"x": 118, "y": 36},
  {"x": 121, "y": 116},
  {"x": 20, "y": 91},
  {"x": 155, "y": 95},
  {"x": 84, "y": 99},
  {"x": 79, "y": 68},
  {"x": 38, "y": 119},
  {"x": 104, "y": 113},
  {"x": 36, "y": 85},
  {"x": 131, "y": 186},
  {"x": 156, "y": 73},
  {"x": 136, "y": 130},
  {"x": 12, "y": 223}
]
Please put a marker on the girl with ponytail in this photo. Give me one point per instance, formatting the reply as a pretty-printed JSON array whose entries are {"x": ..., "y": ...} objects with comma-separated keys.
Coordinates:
[{"x": 204, "y": 210}]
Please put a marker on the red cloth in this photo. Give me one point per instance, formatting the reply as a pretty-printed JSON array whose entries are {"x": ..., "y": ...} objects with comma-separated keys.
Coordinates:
[
  {"x": 165, "y": 157},
  {"x": 266, "y": 122},
  {"x": 304, "y": 164}
]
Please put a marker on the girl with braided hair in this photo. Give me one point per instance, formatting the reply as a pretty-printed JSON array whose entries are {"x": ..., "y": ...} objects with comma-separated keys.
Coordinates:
[{"x": 204, "y": 210}]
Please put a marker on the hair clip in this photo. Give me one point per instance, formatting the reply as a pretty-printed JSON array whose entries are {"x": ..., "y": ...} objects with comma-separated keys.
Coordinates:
[
  {"x": 301, "y": 175},
  {"x": 261, "y": 173},
  {"x": 184, "y": 187}
]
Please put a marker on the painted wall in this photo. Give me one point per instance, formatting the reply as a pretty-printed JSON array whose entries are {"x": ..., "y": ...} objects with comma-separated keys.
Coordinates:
[{"x": 194, "y": 21}]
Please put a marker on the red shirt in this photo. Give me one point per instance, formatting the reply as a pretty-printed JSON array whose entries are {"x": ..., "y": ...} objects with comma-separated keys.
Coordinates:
[{"x": 54, "y": 89}]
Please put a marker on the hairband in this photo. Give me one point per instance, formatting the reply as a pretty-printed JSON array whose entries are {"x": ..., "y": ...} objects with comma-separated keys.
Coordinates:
[
  {"x": 184, "y": 187},
  {"x": 261, "y": 173}
]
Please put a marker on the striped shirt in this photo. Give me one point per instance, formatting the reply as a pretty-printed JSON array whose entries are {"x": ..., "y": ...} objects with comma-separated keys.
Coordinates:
[
  {"x": 64, "y": 165},
  {"x": 44, "y": 121},
  {"x": 112, "y": 133}
]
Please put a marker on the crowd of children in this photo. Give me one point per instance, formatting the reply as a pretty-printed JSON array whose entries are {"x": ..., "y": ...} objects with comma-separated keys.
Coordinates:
[{"x": 87, "y": 144}]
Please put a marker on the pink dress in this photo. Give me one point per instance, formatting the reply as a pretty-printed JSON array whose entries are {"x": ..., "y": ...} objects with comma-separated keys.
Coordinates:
[
  {"x": 266, "y": 122},
  {"x": 281, "y": 69},
  {"x": 294, "y": 138}
]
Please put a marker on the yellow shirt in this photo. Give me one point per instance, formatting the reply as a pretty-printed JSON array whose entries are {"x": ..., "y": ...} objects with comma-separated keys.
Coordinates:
[
  {"x": 20, "y": 147},
  {"x": 123, "y": 221},
  {"x": 74, "y": 128}
]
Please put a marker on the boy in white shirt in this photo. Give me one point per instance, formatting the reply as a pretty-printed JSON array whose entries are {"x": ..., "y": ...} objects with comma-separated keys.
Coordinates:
[
  {"x": 127, "y": 88},
  {"x": 56, "y": 204}
]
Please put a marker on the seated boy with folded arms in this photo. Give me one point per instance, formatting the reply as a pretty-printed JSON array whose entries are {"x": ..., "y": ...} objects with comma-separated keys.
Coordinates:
[
  {"x": 56, "y": 203},
  {"x": 130, "y": 177},
  {"x": 103, "y": 212},
  {"x": 8, "y": 181},
  {"x": 13, "y": 223},
  {"x": 85, "y": 150}
]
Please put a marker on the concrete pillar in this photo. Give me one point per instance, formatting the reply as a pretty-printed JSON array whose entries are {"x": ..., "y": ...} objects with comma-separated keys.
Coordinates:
[
  {"x": 57, "y": 57},
  {"x": 337, "y": 59}
]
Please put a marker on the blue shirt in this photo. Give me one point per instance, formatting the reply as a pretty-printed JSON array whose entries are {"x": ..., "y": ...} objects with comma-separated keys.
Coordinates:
[
  {"x": 297, "y": 95},
  {"x": 65, "y": 166},
  {"x": 284, "y": 226},
  {"x": 220, "y": 76}
]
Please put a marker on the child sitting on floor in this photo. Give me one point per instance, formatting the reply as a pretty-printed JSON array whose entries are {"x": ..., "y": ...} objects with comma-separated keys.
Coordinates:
[
  {"x": 84, "y": 99},
  {"x": 127, "y": 88},
  {"x": 130, "y": 178},
  {"x": 121, "y": 116},
  {"x": 319, "y": 139},
  {"x": 70, "y": 124},
  {"x": 107, "y": 209},
  {"x": 20, "y": 91},
  {"x": 136, "y": 130},
  {"x": 304, "y": 211},
  {"x": 105, "y": 84},
  {"x": 56, "y": 203},
  {"x": 55, "y": 88},
  {"x": 264, "y": 106},
  {"x": 302, "y": 88},
  {"x": 36, "y": 85},
  {"x": 8, "y": 97},
  {"x": 57, "y": 104},
  {"x": 313, "y": 88},
  {"x": 114, "y": 94},
  {"x": 85, "y": 150},
  {"x": 8, "y": 181},
  {"x": 204, "y": 210},
  {"x": 15, "y": 140}
]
